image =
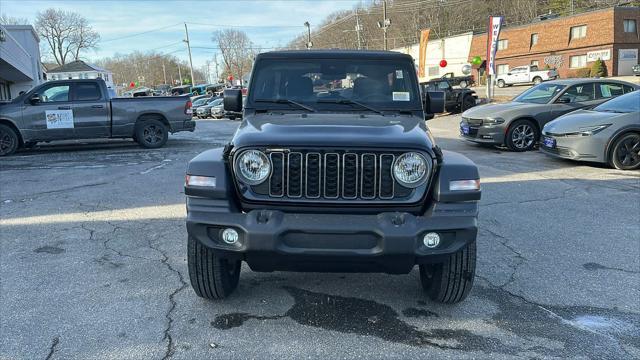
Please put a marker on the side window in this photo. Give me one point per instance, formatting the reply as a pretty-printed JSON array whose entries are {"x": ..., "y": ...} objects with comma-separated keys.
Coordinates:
[
  {"x": 628, "y": 89},
  {"x": 87, "y": 92},
  {"x": 610, "y": 90},
  {"x": 57, "y": 93},
  {"x": 580, "y": 93},
  {"x": 443, "y": 85}
]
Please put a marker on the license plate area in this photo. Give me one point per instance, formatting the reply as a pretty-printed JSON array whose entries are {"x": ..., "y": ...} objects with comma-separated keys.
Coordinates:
[
  {"x": 549, "y": 142},
  {"x": 464, "y": 129}
]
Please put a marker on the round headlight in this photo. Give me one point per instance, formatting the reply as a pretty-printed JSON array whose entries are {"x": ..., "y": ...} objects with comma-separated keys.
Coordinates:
[
  {"x": 410, "y": 169},
  {"x": 253, "y": 166}
]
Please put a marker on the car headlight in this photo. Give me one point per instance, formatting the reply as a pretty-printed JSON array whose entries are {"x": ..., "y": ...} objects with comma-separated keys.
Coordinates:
[
  {"x": 490, "y": 121},
  {"x": 591, "y": 130},
  {"x": 253, "y": 167},
  {"x": 410, "y": 169}
]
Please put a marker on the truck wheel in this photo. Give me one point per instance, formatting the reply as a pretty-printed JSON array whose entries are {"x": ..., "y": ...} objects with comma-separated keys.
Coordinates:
[
  {"x": 625, "y": 153},
  {"x": 463, "y": 84},
  {"x": 521, "y": 136},
  {"x": 537, "y": 80},
  {"x": 9, "y": 140},
  {"x": 501, "y": 83},
  {"x": 151, "y": 134},
  {"x": 211, "y": 277},
  {"x": 467, "y": 103},
  {"x": 450, "y": 282}
]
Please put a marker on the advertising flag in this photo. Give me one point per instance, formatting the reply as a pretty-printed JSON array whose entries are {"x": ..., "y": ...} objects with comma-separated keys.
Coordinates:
[
  {"x": 422, "y": 55},
  {"x": 495, "y": 24}
]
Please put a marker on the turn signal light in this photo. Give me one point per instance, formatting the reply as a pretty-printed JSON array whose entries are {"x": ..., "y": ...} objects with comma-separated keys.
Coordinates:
[
  {"x": 203, "y": 181},
  {"x": 464, "y": 185}
]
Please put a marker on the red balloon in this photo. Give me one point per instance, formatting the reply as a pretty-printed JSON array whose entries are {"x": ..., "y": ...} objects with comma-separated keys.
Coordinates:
[
  {"x": 132, "y": 84},
  {"x": 230, "y": 78},
  {"x": 443, "y": 63}
]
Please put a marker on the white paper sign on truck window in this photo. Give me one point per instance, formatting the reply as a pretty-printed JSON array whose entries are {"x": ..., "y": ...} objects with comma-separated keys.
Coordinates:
[{"x": 59, "y": 119}]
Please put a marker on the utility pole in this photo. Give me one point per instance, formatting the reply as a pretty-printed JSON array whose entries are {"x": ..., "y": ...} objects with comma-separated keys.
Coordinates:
[
  {"x": 384, "y": 24},
  {"x": 215, "y": 60},
  {"x": 164, "y": 73},
  {"x": 309, "y": 43},
  {"x": 189, "y": 48},
  {"x": 180, "y": 74},
  {"x": 358, "y": 29}
]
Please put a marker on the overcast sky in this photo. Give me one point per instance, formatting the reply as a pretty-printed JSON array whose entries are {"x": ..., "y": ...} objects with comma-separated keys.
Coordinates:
[{"x": 268, "y": 23}]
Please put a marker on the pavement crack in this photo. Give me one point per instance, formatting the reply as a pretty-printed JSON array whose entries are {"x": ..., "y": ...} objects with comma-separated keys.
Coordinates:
[
  {"x": 520, "y": 259},
  {"x": 35, "y": 195},
  {"x": 52, "y": 348}
]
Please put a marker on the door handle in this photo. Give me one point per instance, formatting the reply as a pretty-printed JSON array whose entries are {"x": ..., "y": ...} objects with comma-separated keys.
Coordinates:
[
  {"x": 97, "y": 106},
  {"x": 64, "y": 107}
]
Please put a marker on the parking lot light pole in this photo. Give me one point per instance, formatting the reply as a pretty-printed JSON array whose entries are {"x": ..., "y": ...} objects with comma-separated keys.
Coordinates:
[{"x": 189, "y": 48}]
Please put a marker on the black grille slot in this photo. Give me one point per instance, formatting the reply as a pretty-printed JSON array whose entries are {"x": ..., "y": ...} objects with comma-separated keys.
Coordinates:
[
  {"x": 331, "y": 175},
  {"x": 294, "y": 175},
  {"x": 313, "y": 175},
  {"x": 368, "y": 176},
  {"x": 386, "y": 179},
  {"x": 276, "y": 182},
  {"x": 350, "y": 176}
]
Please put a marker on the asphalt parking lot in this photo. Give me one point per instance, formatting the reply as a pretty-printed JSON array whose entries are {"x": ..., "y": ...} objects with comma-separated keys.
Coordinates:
[{"x": 93, "y": 265}]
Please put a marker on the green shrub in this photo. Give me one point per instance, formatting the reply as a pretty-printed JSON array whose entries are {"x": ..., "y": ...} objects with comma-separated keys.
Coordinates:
[
  {"x": 580, "y": 73},
  {"x": 598, "y": 69}
]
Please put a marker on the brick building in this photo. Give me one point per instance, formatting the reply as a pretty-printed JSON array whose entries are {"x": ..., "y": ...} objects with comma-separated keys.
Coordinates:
[{"x": 570, "y": 43}]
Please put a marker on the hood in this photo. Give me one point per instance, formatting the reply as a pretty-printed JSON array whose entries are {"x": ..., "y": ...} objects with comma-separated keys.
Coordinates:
[
  {"x": 573, "y": 121},
  {"x": 499, "y": 110},
  {"x": 333, "y": 130}
]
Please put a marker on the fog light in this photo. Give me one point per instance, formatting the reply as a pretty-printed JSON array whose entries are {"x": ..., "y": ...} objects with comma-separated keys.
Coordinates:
[
  {"x": 431, "y": 240},
  {"x": 230, "y": 236}
]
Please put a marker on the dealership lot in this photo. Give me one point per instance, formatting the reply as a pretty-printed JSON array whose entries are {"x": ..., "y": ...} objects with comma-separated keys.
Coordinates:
[{"x": 93, "y": 265}]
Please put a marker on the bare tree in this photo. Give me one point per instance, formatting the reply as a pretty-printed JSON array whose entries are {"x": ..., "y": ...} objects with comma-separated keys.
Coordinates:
[
  {"x": 67, "y": 34},
  {"x": 238, "y": 52},
  {"x": 10, "y": 20}
]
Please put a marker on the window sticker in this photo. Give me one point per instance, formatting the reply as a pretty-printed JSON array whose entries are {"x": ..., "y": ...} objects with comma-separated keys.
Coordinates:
[
  {"x": 401, "y": 96},
  {"x": 605, "y": 90},
  {"x": 399, "y": 74},
  {"x": 59, "y": 119}
]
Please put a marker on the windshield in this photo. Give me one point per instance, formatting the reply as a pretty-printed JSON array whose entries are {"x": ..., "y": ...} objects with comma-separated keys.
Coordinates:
[
  {"x": 200, "y": 102},
  {"x": 627, "y": 103},
  {"x": 540, "y": 94},
  {"x": 335, "y": 84},
  {"x": 215, "y": 102}
]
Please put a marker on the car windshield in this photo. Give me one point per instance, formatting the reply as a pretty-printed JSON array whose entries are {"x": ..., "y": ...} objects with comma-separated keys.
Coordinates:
[
  {"x": 200, "y": 102},
  {"x": 627, "y": 103},
  {"x": 540, "y": 94},
  {"x": 216, "y": 102},
  {"x": 212, "y": 100},
  {"x": 335, "y": 85}
]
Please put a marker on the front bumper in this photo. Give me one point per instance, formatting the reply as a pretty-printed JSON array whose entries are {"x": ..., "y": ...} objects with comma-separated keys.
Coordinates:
[
  {"x": 388, "y": 242},
  {"x": 579, "y": 148},
  {"x": 483, "y": 134}
]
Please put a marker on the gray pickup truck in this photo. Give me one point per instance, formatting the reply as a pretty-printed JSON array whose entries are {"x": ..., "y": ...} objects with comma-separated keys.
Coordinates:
[{"x": 83, "y": 109}]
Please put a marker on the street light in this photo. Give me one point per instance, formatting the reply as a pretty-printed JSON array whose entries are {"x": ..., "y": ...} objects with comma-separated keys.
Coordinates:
[{"x": 309, "y": 43}]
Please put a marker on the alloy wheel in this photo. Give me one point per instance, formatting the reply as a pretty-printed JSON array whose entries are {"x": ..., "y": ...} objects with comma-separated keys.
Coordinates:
[
  {"x": 6, "y": 142},
  {"x": 523, "y": 136},
  {"x": 152, "y": 134},
  {"x": 628, "y": 152}
]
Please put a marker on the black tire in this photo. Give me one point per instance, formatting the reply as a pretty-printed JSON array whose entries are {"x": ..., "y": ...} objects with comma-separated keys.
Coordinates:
[
  {"x": 211, "y": 277},
  {"x": 451, "y": 281},
  {"x": 467, "y": 103},
  {"x": 151, "y": 134},
  {"x": 625, "y": 152},
  {"x": 232, "y": 117},
  {"x": 501, "y": 83},
  {"x": 9, "y": 140},
  {"x": 521, "y": 136},
  {"x": 463, "y": 84},
  {"x": 537, "y": 80}
]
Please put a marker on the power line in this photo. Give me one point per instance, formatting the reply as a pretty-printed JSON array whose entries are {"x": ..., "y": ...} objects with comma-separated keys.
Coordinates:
[
  {"x": 245, "y": 26},
  {"x": 140, "y": 33}
]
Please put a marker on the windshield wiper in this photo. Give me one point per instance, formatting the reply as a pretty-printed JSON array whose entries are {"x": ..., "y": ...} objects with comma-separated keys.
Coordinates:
[
  {"x": 287, "y": 101},
  {"x": 612, "y": 111},
  {"x": 350, "y": 102}
]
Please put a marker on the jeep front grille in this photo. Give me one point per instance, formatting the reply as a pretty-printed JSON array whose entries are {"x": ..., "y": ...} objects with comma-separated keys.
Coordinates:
[{"x": 331, "y": 175}]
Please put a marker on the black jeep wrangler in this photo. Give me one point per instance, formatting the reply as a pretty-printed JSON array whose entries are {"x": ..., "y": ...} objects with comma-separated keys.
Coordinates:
[{"x": 333, "y": 169}]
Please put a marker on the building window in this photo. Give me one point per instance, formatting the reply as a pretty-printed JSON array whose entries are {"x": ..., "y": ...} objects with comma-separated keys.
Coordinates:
[
  {"x": 630, "y": 26},
  {"x": 502, "y": 69},
  {"x": 534, "y": 39},
  {"x": 535, "y": 63},
  {"x": 578, "y": 32},
  {"x": 434, "y": 71},
  {"x": 577, "y": 62},
  {"x": 503, "y": 44}
]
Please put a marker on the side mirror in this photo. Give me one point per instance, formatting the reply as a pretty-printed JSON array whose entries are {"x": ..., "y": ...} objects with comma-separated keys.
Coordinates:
[
  {"x": 232, "y": 100},
  {"x": 434, "y": 103},
  {"x": 34, "y": 99},
  {"x": 508, "y": 73},
  {"x": 563, "y": 100}
]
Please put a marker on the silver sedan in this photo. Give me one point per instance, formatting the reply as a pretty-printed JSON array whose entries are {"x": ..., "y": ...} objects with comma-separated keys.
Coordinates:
[{"x": 608, "y": 133}]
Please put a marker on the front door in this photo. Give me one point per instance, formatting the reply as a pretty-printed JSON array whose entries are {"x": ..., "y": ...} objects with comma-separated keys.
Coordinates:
[
  {"x": 52, "y": 117},
  {"x": 91, "y": 111},
  {"x": 576, "y": 97}
]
